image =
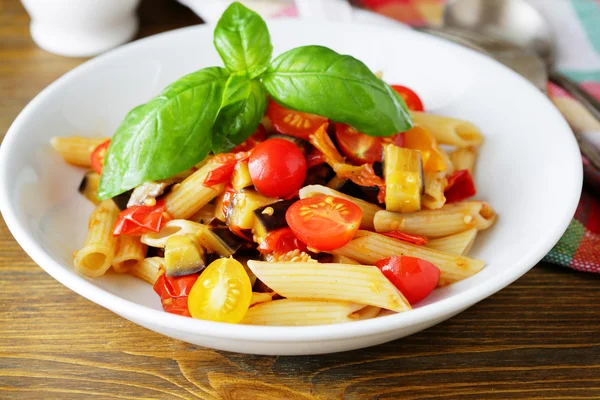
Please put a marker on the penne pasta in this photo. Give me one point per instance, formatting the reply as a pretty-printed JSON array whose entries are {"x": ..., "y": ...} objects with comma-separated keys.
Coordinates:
[
  {"x": 149, "y": 269},
  {"x": 130, "y": 252},
  {"x": 337, "y": 259},
  {"x": 204, "y": 215},
  {"x": 261, "y": 298},
  {"x": 188, "y": 197},
  {"x": 76, "y": 150},
  {"x": 97, "y": 255},
  {"x": 448, "y": 220},
  {"x": 446, "y": 130},
  {"x": 295, "y": 312},
  {"x": 362, "y": 284},
  {"x": 171, "y": 228},
  {"x": 459, "y": 243},
  {"x": 372, "y": 247},
  {"x": 464, "y": 158},
  {"x": 434, "y": 198},
  {"x": 365, "y": 313},
  {"x": 89, "y": 187},
  {"x": 368, "y": 209}
]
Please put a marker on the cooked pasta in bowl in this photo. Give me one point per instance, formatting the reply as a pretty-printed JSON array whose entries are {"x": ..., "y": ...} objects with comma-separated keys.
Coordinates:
[{"x": 295, "y": 205}]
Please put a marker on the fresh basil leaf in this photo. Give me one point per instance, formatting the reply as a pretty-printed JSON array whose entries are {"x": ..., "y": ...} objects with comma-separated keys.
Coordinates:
[
  {"x": 318, "y": 80},
  {"x": 243, "y": 41},
  {"x": 165, "y": 136},
  {"x": 242, "y": 108}
]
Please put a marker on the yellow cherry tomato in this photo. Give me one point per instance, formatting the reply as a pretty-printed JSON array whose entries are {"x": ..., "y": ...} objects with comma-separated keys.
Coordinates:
[{"x": 222, "y": 292}]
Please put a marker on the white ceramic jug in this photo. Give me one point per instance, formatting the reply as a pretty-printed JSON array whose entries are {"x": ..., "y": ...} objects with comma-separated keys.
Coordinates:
[{"x": 79, "y": 28}]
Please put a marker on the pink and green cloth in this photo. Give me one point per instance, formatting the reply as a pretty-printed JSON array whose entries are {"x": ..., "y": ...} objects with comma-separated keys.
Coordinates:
[{"x": 576, "y": 24}]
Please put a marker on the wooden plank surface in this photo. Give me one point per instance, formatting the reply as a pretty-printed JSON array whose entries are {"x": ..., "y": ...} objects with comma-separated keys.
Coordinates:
[{"x": 538, "y": 338}]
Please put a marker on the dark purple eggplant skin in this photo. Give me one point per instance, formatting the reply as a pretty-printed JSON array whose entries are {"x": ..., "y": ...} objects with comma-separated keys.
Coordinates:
[
  {"x": 277, "y": 219},
  {"x": 319, "y": 175},
  {"x": 122, "y": 199},
  {"x": 233, "y": 242},
  {"x": 173, "y": 272}
]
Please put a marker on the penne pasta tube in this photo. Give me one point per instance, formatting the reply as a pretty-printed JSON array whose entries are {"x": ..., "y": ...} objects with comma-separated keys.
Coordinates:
[
  {"x": 337, "y": 259},
  {"x": 366, "y": 313},
  {"x": 362, "y": 284},
  {"x": 446, "y": 130},
  {"x": 372, "y": 247},
  {"x": 130, "y": 252},
  {"x": 435, "y": 183},
  {"x": 76, "y": 150},
  {"x": 188, "y": 197},
  {"x": 149, "y": 269},
  {"x": 261, "y": 298},
  {"x": 97, "y": 255},
  {"x": 448, "y": 220},
  {"x": 171, "y": 228},
  {"x": 464, "y": 158},
  {"x": 89, "y": 186},
  {"x": 459, "y": 243},
  {"x": 204, "y": 215},
  {"x": 368, "y": 209},
  {"x": 294, "y": 312}
]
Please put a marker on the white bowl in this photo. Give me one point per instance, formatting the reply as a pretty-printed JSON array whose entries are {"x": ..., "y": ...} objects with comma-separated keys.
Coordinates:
[{"x": 529, "y": 170}]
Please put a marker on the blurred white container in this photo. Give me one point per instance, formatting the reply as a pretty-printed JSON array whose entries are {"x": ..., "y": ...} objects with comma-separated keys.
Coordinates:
[{"x": 80, "y": 28}]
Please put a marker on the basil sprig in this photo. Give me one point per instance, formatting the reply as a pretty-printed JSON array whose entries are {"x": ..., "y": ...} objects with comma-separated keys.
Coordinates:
[{"x": 215, "y": 109}]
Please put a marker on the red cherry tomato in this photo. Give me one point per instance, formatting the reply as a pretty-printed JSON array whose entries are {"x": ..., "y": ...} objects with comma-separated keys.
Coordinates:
[
  {"x": 360, "y": 148},
  {"x": 98, "y": 155},
  {"x": 414, "y": 277},
  {"x": 174, "y": 291},
  {"x": 413, "y": 102},
  {"x": 138, "y": 220},
  {"x": 277, "y": 167},
  {"x": 407, "y": 237},
  {"x": 227, "y": 197},
  {"x": 293, "y": 123},
  {"x": 324, "y": 222},
  {"x": 259, "y": 136},
  {"x": 460, "y": 186},
  {"x": 281, "y": 241},
  {"x": 314, "y": 158}
]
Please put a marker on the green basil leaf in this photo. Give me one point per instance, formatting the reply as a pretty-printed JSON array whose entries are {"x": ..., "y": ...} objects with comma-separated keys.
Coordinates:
[
  {"x": 165, "y": 136},
  {"x": 318, "y": 80},
  {"x": 242, "y": 108},
  {"x": 243, "y": 41}
]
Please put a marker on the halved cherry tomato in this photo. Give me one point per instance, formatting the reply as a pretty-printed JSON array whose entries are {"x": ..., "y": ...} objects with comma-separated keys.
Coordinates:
[
  {"x": 259, "y": 136},
  {"x": 407, "y": 237},
  {"x": 293, "y": 123},
  {"x": 222, "y": 292},
  {"x": 324, "y": 222},
  {"x": 413, "y": 102},
  {"x": 223, "y": 173},
  {"x": 360, "y": 148},
  {"x": 460, "y": 186},
  {"x": 174, "y": 291},
  {"x": 138, "y": 220},
  {"x": 277, "y": 167},
  {"x": 98, "y": 155},
  {"x": 414, "y": 277},
  {"x": 281, "y": 241}
]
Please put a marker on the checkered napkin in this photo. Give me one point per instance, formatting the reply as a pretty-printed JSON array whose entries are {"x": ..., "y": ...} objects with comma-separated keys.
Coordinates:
[{"x": 577, "y": 32}]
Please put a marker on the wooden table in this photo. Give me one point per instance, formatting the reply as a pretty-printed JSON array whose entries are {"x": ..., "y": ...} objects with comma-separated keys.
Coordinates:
[{"x": 538, "y": 338}]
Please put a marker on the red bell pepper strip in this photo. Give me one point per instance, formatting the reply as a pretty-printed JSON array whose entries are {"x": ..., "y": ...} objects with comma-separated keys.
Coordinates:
[
  {"x": 174, "y": 292},
  {"x": 460, "y": 186},
  {"x": 407, "y": 237},
  {"x": 224, "y": 172},
  {"x": 281, "y": 241},
  {"x": 138, "y": 220}
]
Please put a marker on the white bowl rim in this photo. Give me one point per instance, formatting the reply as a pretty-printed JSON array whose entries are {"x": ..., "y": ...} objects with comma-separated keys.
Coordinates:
[{"x": 137, "y": 312}]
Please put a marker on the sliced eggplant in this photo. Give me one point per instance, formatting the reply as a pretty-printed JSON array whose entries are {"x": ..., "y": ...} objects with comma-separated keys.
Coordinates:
[
  {"x": 241, "y": 176},
  {"x": 184, "y": 256},
  {"x": 155, "y": 252},
  {"x": 270, "y": 218},
  {"x": 122, "y": 199},
  {"x": 89, "y": 186},
  {"x": 403, "y": 178},
  {"x": 219, "y": 240},
  {"x": 219, "y": 214},
  {"x": 319, "y": 175},
  {"x": 240, "y": 214},
  {"x": 147, "y": 192},
  {"x": 206, "y": 213}
]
